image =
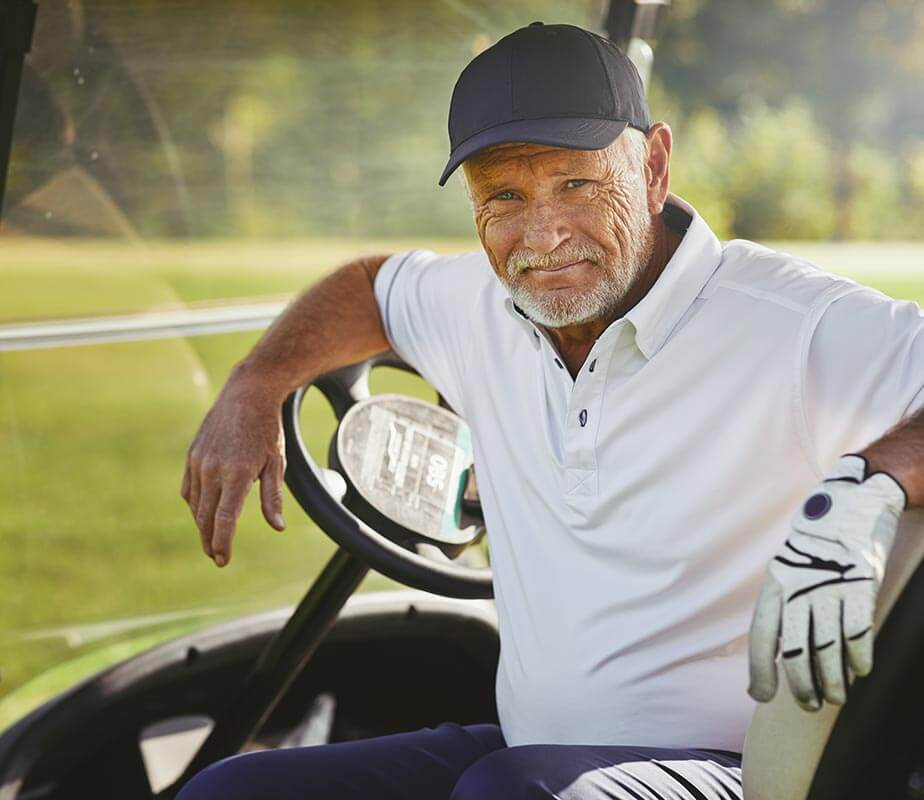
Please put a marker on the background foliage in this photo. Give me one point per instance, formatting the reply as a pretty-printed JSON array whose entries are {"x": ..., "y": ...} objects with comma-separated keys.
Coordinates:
[
  {"x": 798, "y": 118},
  {"x": 793, "y": 118}
]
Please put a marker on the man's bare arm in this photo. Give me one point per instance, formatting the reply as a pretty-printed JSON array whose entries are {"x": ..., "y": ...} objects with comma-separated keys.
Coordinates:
[
  {"x": 900, "y": 452},
  {"x": 332, "y": 324}
]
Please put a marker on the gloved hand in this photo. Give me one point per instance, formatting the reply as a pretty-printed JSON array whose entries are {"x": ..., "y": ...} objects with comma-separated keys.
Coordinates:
[{"x": 820, "y": 589}]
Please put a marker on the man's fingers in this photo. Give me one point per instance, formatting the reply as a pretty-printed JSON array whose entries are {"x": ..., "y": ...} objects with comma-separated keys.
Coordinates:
[
  {"x": 205, "y": 513},
  {"x": 271, "y": 479},
  {"x": 226, "y": 515},
  {"x": 195, "y": 485},
  {"x": 797, "y": 655},
  {"x": 828, "y": 648},
  {"x": 858, "y": 632},
  {"x": 765, "y": 629},
  {"x": 184, "y": 486}
]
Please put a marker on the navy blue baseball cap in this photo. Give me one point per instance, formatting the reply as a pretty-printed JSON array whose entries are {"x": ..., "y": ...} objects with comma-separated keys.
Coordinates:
[{"x": 546, "y": 84}]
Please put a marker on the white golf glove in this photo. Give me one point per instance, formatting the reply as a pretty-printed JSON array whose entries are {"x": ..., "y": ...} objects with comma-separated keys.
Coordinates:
[{"x": 820, "y": 589}]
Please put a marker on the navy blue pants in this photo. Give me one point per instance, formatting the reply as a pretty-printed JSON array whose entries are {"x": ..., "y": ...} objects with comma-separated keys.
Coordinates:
[{"x": 452, "y": 762}]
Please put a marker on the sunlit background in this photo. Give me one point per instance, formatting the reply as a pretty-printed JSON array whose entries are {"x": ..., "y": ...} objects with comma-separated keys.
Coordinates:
[{"x": 215, "y": 156}]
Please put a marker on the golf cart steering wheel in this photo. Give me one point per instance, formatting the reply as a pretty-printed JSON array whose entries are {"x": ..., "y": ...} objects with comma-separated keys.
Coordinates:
[{"x": 377, "y": 500}]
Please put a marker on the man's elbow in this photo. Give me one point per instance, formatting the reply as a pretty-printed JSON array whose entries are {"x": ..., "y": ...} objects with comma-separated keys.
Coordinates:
[{"x": 371, "y": 265}]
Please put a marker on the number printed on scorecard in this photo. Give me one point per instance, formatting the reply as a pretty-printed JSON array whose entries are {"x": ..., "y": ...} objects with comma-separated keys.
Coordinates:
[{"x": 437, "y": 467}]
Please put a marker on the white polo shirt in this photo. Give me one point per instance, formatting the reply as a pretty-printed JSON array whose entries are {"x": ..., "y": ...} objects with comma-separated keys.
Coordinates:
[{"x": 631, "y": 511}]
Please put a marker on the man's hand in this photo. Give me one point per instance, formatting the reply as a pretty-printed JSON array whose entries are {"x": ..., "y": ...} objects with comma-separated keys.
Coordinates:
[
  {"x": 240, "y": 440},
  {"x": 334, "y": 323},
  {"x": 820, "y": 589}
]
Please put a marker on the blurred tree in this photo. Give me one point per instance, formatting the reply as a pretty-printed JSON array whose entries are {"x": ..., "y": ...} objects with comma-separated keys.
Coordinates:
[
  {"x": 914, "y": 192},
  {"x": 858, "y": 64},
  {"x": 700, "y": 168},
  {"x": 875, "y": 209},
  {"x": 234, "y": 118},
  {"x": 781, "y": 177}
]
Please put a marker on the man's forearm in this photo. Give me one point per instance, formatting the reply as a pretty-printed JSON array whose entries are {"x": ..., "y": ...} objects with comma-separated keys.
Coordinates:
[
  {"x": 334, "y": 323},
  {"x": 900, "y": 452}
]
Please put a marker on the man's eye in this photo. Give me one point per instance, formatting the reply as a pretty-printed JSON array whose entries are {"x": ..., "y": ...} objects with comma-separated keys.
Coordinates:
[
  {"x": 574, "y": 183},
  {"x": 503, "y": 196}
]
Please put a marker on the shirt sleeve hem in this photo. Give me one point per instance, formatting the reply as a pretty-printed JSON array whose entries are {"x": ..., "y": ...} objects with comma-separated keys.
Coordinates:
[{"x": 383, "y": 294}]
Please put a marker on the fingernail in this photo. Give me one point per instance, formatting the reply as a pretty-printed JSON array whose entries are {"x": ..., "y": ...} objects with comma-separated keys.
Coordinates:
[
  {"x": 279, "y": 522},
  {"x": 220, "y": 560}
]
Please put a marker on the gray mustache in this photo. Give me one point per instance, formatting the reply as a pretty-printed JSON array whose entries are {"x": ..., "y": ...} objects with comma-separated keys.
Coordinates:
[{"x": 520, "y": 260}]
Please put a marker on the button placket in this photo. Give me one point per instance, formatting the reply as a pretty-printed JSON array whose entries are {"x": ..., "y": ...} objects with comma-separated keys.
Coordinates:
[
  {"x": 583, "y": 421},
  {"x": 556, "y": 365}
]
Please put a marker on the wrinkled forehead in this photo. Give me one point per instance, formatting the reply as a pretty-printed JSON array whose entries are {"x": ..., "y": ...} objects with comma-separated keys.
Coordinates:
[{"x": 517, "y": 157}]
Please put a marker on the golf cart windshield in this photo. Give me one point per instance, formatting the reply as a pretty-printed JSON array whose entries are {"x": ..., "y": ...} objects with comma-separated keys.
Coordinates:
[{"x": 180, "y": 170}]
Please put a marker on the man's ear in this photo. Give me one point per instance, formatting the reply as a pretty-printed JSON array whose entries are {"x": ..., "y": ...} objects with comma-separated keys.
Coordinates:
[{"x": 657, "y": 166}]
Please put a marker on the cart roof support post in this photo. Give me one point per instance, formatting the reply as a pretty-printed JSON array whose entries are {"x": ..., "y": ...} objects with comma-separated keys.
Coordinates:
[
  {"x": 17, "y": 22},
  {"x": 631, "y": 25}
]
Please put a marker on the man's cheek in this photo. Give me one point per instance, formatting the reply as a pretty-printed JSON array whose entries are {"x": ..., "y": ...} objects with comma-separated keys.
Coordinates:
[
  {"x": 485, "y": 222},
  {"x": 493, "y": 248},
  {"x": 496, "y": 234},
  {"x": 498, "y": 258},
  {"x": 617, "y": 217}
]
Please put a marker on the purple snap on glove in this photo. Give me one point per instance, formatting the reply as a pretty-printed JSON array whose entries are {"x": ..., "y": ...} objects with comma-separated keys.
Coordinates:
[{"x": 819, "y": 592}]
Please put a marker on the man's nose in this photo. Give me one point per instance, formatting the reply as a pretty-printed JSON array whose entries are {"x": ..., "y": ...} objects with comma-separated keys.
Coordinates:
[{"x": 545, "y": 229}]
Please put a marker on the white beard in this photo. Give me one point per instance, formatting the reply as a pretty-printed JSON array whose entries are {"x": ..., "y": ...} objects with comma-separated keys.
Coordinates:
[{"x": 557, "y": 309}]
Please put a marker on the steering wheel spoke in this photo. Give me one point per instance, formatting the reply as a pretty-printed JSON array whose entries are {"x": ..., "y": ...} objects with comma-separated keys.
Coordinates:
[
  {"x": 345, "y": 387},
  {"x": 432, "y": 551},
  {"x": 335, "y": 483}
]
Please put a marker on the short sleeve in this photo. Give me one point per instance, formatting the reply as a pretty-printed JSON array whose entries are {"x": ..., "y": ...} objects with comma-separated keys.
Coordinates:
[
  {"x": 864, "y": 371},
  {"x": 426, "y": 303}
]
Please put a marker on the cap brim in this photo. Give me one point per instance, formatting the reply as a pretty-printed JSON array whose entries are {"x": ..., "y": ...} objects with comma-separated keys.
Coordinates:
[{"x": 574, "y": 133}]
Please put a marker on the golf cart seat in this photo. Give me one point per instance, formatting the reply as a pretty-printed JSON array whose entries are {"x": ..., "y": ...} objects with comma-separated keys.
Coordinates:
[{"x": 872, "y": 748}]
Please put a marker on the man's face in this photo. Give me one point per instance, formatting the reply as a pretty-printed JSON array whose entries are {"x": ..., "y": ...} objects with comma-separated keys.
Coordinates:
[{"x": 567, "y": 231}]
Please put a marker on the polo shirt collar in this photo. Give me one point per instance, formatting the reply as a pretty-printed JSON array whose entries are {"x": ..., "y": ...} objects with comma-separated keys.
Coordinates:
[
  {"x": 522, "y": 320},
  {"x": 683, "y": 278}
]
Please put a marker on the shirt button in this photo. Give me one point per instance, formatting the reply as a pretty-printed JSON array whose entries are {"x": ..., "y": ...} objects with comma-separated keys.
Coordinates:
[
  {"x": 583, "y": 417},
  {"x": 559, "y": 364},
  {"x": 592, "y": 365}
]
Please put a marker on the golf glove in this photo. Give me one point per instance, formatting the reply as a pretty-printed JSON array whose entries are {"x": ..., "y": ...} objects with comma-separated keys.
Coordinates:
[{"x": 820, "y": 589}]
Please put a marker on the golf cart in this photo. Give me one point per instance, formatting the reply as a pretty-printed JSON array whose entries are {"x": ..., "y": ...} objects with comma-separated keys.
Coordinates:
[{"x": 341, "y": 667}]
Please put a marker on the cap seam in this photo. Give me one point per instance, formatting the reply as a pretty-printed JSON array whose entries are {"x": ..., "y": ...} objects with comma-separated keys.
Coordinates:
[
  {"x": 606, "y": 73},
  {"x": 509, "y": 79}
]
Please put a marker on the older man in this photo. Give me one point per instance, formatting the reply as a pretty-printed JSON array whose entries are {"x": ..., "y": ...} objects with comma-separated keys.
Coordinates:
[{"x": 649, "y": 407}]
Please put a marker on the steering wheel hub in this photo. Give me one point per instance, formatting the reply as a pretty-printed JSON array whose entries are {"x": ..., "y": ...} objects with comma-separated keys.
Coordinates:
[{"x": 407, "y": 460}]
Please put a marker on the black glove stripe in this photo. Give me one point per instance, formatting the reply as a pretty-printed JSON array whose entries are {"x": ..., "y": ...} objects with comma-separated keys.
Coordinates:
[
  {"x": 861, "y": 634},
  {"x": 812, "y": 654},
  {"x": 843, "y": 649},
  {"x": 831, "y": 582}
]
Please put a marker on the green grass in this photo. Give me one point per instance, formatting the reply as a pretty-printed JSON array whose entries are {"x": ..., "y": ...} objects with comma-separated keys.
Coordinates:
[{"x": 94, "y": 439}]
